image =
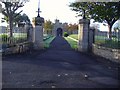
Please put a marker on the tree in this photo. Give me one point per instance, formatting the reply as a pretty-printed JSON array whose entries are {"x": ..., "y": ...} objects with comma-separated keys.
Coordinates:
[
  {"x": 23, "y": 19},
  {"x": 19, "y": 18},
  {"x": 48, "y": 26},
  {"x": 108, "y": 12},
  {"x": 100, "y": 11},
  {"x": 10, "y": 12},
  {"x": 81, "y": 8},
  {"x": 71, "y": 28}
]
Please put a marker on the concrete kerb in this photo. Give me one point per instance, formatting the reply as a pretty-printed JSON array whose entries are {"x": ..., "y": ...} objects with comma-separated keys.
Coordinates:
[{"x": 73, "y": 39}]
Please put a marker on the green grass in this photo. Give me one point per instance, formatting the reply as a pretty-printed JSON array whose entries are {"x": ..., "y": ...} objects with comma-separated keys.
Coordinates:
[
  {"x": 112, "y": 44},
  {"x": 48, "y": 41},
  {"x": 72, "y": 43},
  {"x": 99, "y": 40},
  {"x": 16, "y": 35},
  {"x": 103, "y": 41},
  {"x": 75, "y": 36}
]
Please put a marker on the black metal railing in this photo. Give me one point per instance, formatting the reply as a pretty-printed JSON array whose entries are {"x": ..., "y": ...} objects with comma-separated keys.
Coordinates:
[
  {"x": 102, "y": 39},
  {"x": 20, "y": 35}
]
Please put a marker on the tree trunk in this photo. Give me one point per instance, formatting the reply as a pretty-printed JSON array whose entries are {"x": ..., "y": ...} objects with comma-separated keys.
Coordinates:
[
  {"x": 84, "y": 14},
  {"x": 11, "y": 26},
  {"x": 110, "y": 31},
  {"x": 110, "y": 24}
]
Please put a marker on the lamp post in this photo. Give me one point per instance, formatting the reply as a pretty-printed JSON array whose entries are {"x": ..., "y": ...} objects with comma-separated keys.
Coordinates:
[
  {"x": 38, "y": 19},
  {"x": 38, "y": 32},
  {"x": 38, "y": 9}
]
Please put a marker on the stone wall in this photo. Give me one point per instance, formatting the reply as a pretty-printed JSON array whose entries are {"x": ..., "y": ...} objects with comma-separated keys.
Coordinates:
[
  {"x": 111, "y": 54},
  {"x": 18, "y": 48}
]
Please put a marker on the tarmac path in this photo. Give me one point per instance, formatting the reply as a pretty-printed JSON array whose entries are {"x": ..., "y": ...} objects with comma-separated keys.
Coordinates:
[{"x": 57, "y": 67}]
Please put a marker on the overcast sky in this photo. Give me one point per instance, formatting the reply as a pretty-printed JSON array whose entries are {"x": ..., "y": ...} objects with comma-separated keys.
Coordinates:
[{"x": 51, "y": 9}]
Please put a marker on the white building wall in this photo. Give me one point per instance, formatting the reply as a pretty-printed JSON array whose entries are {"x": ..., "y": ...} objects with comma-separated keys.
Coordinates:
[{"x": 56, "y": 26}]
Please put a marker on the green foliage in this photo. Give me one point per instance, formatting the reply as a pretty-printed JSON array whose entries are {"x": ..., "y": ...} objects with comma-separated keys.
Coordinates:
[
  {"x": 109, "y": 43},
  {"x": 104, "y": 11},
  {"x": 4, "y": 37},
  {"x": 81, "y": 8},
  {"x": 20, "y": 18},
  {"x": 5, "y": 19},
  {"x": 70, "y": 28},
  {"x": 65, "y": 34},
  {"x": 112, "y": 44},
  {"x": 9, "y": 11},
  {"x": 99, "y": 11},
  {"x": 48, "y": 26}
]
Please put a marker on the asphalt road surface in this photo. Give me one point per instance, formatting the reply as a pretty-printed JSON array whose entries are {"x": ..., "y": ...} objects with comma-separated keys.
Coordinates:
[{"x": 58, "y": 67}]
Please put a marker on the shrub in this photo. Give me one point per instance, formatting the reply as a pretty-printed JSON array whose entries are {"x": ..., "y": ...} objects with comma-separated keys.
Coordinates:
[
  {"x": 66, "y": 34},
  {"x": 4, "y": 37}
]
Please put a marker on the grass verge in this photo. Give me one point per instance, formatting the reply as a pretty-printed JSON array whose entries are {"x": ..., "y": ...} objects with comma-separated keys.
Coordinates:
[
  {"x": 75, "y": 36},
  {"x": 48, "y": 41},
  {"x": 73, "y": 44}
]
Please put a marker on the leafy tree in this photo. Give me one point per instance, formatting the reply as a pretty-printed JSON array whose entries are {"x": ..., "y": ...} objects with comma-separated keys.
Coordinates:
[
  {"x": 81, "y": 8},
  {"x": 19, "y": 18},
  {"x": 10, "y": 12},
  {"x": 99, "y": 11},
  {"x": 71, "y": 27},
  {"x": 48, "y": 26},
  {"x": 25, "y": 18},
  {"x": 108, "y": 12},
  {"x": 5, "y": 19}
]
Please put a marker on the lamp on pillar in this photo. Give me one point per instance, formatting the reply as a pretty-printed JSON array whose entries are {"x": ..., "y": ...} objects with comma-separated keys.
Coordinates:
[
  {"x": 38, "y": 31},
  {"x": 39, "y": 20}
]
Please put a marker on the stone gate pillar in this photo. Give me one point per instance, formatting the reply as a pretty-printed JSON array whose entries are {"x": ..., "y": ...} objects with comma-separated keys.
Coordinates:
[
  {"x": 83, "y": 35},
  {"x": 38, "y": 37}
]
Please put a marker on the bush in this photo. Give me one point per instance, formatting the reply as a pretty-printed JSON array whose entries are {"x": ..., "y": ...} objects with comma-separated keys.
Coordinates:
[
  {"x": 66, "y": 34},
  {"x": 4, "y": 37}
]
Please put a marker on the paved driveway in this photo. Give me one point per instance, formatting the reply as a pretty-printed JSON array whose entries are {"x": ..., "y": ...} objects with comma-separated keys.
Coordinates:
[{"x": 57, "y": 67}]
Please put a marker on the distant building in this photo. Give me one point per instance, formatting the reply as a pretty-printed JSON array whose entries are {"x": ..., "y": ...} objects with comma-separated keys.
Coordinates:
[{"x": 59, "y": 28}]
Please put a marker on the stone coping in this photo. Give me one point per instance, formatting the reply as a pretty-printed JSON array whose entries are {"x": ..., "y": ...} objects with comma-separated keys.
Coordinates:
[
  {"x": 108, "y": 53},
  {"x": 105, "y": 48}
]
